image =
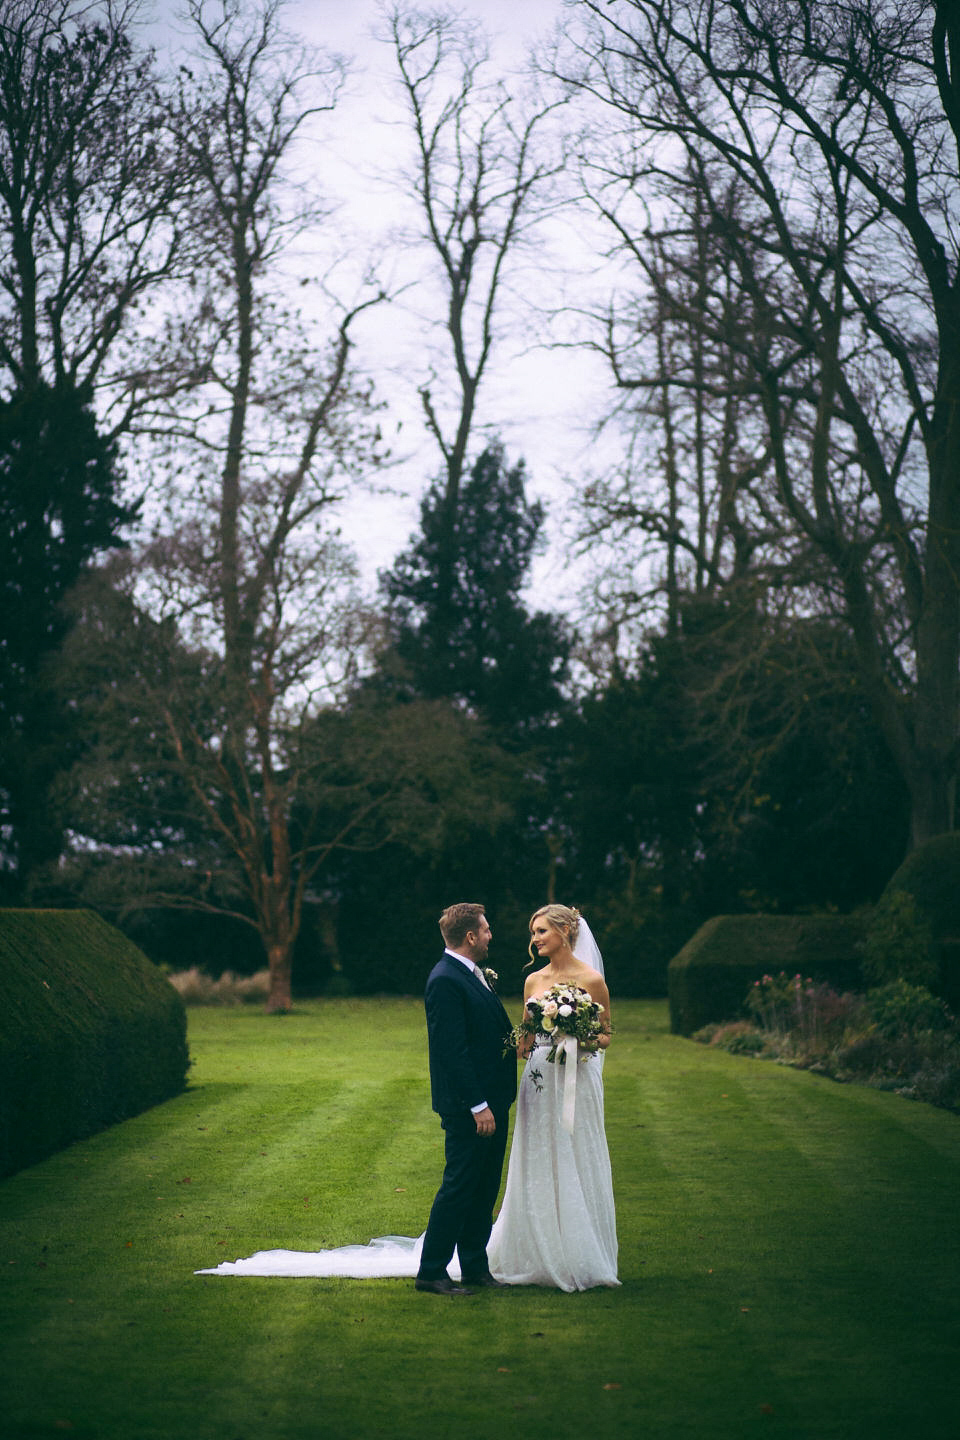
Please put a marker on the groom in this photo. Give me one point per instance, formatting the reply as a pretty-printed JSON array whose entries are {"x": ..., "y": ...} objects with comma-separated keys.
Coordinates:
[{"x": 473, "y": 1085}]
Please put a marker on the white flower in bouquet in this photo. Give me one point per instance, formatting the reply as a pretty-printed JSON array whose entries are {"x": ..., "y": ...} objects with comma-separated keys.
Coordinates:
[{"x": 561, "y": 1011}]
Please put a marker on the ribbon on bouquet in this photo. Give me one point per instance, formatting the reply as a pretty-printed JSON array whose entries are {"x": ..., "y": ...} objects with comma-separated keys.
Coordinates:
[{"x": 567, "y": 1048}]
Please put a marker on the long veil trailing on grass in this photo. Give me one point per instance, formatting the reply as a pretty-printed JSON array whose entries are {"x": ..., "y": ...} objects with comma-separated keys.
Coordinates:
[{"x": 388, "y": 1255}]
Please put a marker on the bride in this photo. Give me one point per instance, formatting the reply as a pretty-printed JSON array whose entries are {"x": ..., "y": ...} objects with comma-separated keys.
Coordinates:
[{"x": 557, "y": 1223}]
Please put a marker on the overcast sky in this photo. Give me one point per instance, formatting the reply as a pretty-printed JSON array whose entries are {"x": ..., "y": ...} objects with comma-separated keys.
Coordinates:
[{"x": 541, "y": 402}]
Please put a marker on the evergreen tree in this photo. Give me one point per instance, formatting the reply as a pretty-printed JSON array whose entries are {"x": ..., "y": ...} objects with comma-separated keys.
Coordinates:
[
  {"x": 481, "y": 646},
  {"x": 58, "y": 509}
]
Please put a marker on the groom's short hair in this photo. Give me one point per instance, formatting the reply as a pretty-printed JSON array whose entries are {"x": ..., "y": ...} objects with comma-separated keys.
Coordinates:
[{"x": 458, "y": 920}]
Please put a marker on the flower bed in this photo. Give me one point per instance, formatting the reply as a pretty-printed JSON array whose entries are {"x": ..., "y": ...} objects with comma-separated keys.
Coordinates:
[{"x": 897, "y": 1037}]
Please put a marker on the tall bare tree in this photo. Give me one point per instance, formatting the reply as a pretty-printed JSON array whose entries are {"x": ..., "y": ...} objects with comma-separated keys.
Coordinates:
[
  {"x": 88, "y": 185},
  {"x": 244, "y": 561},
  {"x": 686, "y": 499},
  {"x": 481, "y": 180},
  {"x": 838, "y": 125}
]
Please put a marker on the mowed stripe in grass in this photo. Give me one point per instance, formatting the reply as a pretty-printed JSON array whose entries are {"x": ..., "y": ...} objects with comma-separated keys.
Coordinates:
[{"x": 788, "y": 1255}]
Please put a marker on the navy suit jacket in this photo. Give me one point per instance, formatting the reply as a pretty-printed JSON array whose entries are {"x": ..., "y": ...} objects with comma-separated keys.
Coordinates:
[{"x": 467, "y": 1029}]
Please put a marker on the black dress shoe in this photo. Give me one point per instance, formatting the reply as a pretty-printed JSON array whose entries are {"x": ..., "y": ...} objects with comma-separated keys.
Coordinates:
[
  {"x": 443, "y": 1286},
  {"x": 487, "y": 1282}
]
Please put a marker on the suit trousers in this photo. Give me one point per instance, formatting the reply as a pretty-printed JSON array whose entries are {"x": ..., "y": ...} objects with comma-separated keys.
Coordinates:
[{"x": 462, "y": 1213}]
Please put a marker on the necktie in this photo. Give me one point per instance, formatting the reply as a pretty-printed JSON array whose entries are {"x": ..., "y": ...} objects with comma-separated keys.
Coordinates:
[{"x": 481, "y": 977}]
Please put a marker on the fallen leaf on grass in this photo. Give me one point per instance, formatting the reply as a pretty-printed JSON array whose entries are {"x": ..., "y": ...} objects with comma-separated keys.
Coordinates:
[
  {"x": 504, "y": 1370},
  {"x": 187, "y": 1180},
  {"x": 767, "y": 1410},
  {"x": 613, "y": 1387}
]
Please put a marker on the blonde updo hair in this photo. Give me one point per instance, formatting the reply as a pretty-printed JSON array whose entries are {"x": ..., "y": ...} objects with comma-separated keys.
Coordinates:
[{"x": 564, "y": 918}]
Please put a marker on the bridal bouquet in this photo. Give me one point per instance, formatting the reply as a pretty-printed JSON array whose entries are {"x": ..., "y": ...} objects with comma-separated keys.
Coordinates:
[{"x": 561, "y": 1011}]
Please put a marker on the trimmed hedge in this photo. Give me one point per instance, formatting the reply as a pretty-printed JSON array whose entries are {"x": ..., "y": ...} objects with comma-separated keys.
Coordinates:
[
  {"x": 931, "y": 874},
  {"x": 708, "y": 980},
  {"x": 90, "y": 1032}
]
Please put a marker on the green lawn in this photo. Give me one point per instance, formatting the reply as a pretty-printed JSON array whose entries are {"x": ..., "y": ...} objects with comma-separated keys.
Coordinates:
[{"x": 789, "y": 1257}]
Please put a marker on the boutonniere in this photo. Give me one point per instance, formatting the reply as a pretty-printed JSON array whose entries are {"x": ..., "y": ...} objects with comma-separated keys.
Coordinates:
[{"x": 490, "y": 976}]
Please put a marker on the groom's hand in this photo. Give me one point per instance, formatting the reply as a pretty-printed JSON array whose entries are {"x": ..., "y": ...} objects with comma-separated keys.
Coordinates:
[{"x": 486, "y": 1124}]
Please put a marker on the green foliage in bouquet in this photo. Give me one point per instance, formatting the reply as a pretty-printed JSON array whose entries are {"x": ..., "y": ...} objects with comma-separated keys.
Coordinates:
[{"x": 560, "y": 1011}]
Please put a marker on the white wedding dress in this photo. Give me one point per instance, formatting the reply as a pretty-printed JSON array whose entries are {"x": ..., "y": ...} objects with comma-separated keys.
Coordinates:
[{"x": 557, "y": 1223}]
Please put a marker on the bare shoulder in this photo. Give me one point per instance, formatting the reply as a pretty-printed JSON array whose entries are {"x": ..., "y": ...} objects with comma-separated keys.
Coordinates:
[
  {"x": 535, "y": 983},
  {"x": 595, "y": 985}
]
